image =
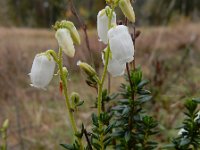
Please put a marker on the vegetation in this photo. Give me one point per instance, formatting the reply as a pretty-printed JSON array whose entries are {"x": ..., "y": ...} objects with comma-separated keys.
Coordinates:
[
  {"x": 36, "y": 13},
  {"x": 130, "y": 118}
]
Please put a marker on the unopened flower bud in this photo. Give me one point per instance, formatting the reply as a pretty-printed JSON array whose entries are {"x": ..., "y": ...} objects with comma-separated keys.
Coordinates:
[
  {"x": 121, "y": 44},
  {"x": 102, "y": 23},
  {"x": 127, "y": 9},
  {"x": 87, "y": 68},
  {"x": 73, "y": 31},
  {"x": 75, "y": 98},
  {"x": 65, "y": 71},
  {"x": 5, "y": 124},
  {"x": 65, "y": 41},
  {"x": 42, "y": 70}
]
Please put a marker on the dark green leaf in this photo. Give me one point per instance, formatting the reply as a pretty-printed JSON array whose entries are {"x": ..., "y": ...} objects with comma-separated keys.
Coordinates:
[
  {"x": 197, "y": 100},
  {"x": 95, "y": 120},
  {"x": 67, "y": 146},
  {"x": 143, "y": 83},
  {"x": 144, "y": 98},
  {"x": 127, "y": 136}
]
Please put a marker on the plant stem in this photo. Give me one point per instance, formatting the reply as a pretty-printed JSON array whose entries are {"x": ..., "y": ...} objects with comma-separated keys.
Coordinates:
[
  {"x": 87, "y": 139},
  {"x": 4, "y": 137},
  {"x": 131, "y": 144},
  {"x": 100, "y": 88},
  {"x": 65, "y": 91},
  {"x": 109, "y": 83},
  {"x": 134, "y": 44},
  {"x": 100, "y": 85}
]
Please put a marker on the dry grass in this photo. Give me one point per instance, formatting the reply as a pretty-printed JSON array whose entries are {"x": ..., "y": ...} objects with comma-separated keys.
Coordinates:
[{"x": 38, "y": 118}]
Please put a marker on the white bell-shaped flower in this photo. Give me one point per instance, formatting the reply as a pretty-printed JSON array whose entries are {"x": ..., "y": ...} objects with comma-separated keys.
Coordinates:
[
  {"x": 65, "y": 41},
  {"x": 115, "y": 68},
  {"x": 42, "y": 70},
  {"x": 73, "y": 31},
  {"x": 121, "y": 44},
  {"x": 102, "y": 24}
]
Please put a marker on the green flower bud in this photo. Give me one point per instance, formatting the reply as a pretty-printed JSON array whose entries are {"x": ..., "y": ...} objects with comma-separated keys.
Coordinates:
[
  {"x": 73, "y": 31},
  {"x": 127, "y": 9},
  {"x": 87, "y": 68},
  {"x": 65, "y": 72},
  {"x": 75, "y": 98},
  {"x": 5, "y": 124}
]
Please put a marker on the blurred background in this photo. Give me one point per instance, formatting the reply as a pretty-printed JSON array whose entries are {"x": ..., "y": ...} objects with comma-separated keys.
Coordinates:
[{"x": 168, "y": 50}]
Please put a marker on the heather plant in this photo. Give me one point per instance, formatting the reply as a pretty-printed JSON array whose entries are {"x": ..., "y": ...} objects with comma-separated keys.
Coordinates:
[
  {"x": 125, "y": 124},
  {"x": 189, "y": 132}
]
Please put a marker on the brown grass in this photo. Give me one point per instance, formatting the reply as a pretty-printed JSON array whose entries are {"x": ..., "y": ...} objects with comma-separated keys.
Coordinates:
[{"x": 38, "y": 119}]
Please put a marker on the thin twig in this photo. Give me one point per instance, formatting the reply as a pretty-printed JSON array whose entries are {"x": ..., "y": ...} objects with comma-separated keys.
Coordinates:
[
  {"x": 87, "y": 139},
  {"x": 130, "y": 145},
  {"x": 132, "y": 104},
  {"x": 134, "y": 44},
  {"x": 84, "y": 28}
]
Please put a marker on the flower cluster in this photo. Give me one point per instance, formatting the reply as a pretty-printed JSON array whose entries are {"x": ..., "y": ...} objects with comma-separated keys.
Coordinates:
[
  {"x": 120, "y": 45},
  {"x": 118, "y": 39},
  {"x": 118, "y": 53},
  {"x": 44, "y": 64}
]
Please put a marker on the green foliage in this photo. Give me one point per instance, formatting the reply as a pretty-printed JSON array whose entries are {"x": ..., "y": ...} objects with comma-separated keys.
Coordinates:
[
  {"x": 104, "y": 119},
  {"x": 189, "y": 135},
  {"x": 74, "y": 146},
  {"x": 134, "y": 129},
  {"x": 36, "y": 13}
]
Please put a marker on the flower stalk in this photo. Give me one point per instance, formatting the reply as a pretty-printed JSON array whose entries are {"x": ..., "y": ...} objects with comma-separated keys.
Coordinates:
[
  {"x": 100, "y": 84},
  {"x": 63, "y": 78}
]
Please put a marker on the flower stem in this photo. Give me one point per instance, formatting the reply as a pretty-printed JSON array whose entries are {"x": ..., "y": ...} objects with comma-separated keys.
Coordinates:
[
  {"x": 100, "y": 85},
  {"x": 4, "y": 137},
  {"x": 65, "y": 91},
  {"x": 100, "y": 88}
]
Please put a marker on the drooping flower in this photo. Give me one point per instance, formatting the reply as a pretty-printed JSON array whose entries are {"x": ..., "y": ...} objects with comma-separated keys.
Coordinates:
[
  {"x": 65, "y": 41},
  {"x": 73, "y": 31},
  {"x": 42, "y": 70},
  {"x": 115, "y": 68},
  {"x": 121, "y": 44},
  {"x": 127, "y": 9},
  {"x": 102, "y": 23}
]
